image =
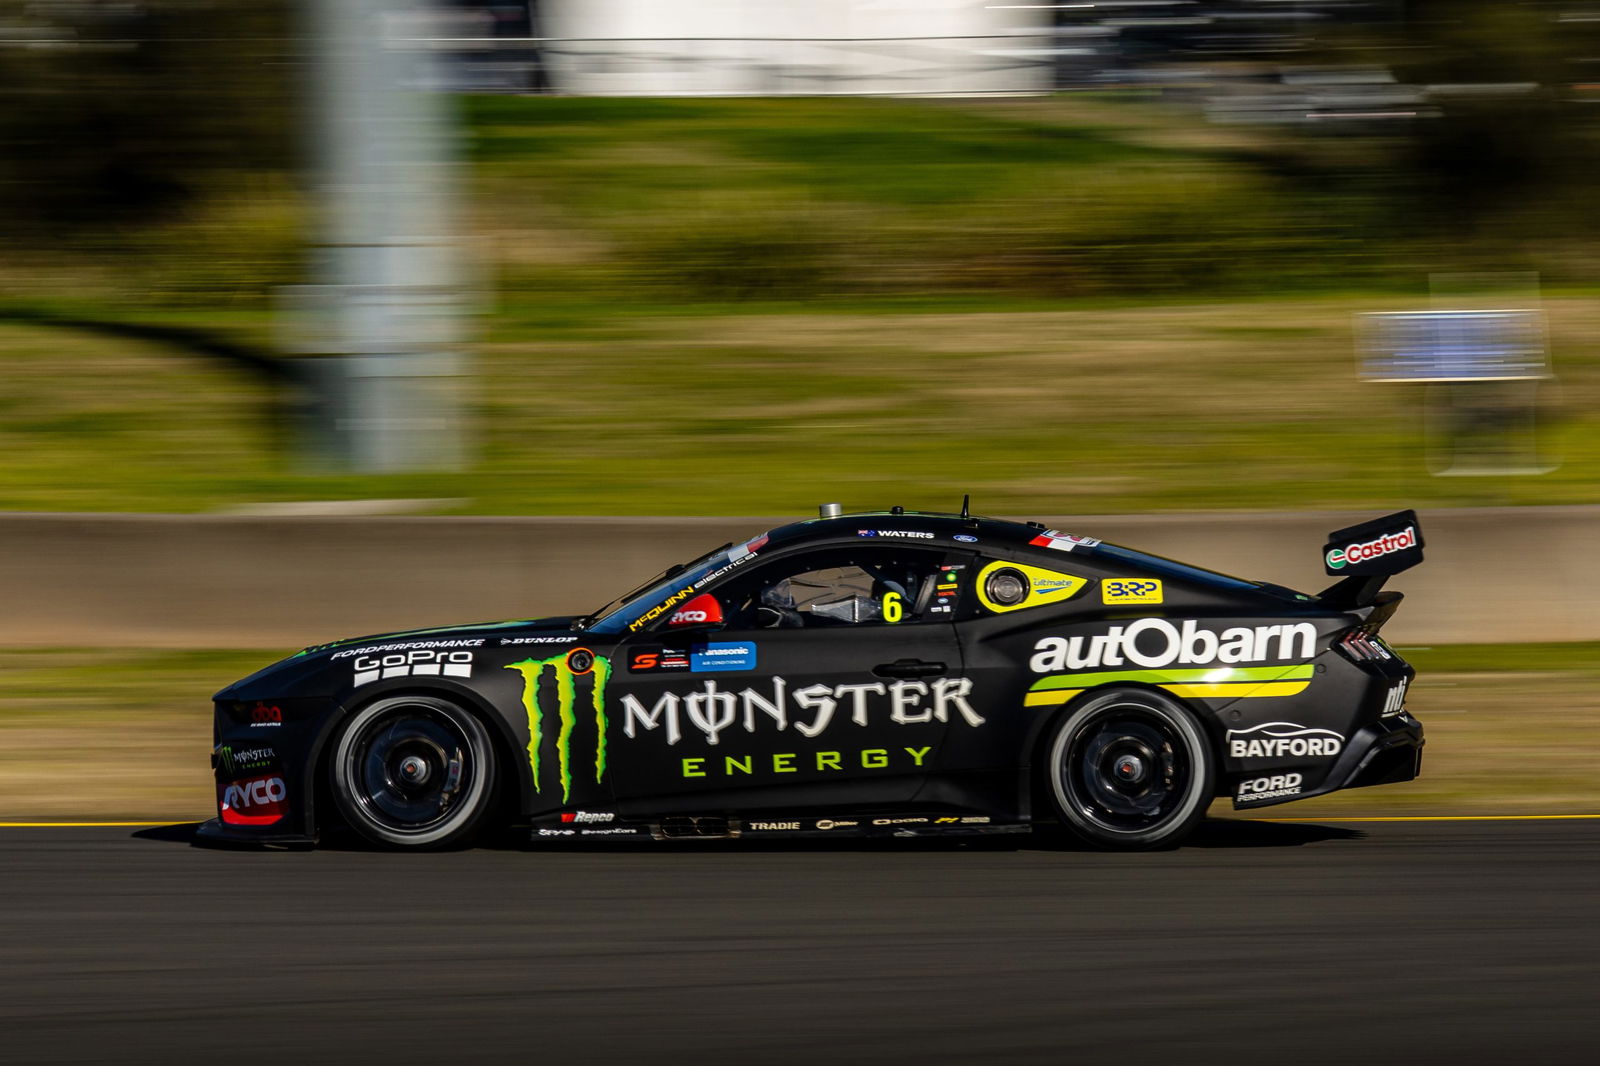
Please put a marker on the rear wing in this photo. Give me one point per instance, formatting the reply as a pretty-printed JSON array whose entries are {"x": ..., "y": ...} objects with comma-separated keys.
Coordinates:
[{"x": 1365, "y": 556}]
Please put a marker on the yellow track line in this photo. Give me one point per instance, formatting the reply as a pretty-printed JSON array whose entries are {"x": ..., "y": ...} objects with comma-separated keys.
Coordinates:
[
  {"x": 1437, "y": 818},
  {"x": 80, "y": 825}
]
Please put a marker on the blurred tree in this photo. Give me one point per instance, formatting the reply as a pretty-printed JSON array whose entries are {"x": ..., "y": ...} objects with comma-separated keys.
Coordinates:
[
  {"x": 123, "y": 112},
  {"x": 1500, "y": 76}
]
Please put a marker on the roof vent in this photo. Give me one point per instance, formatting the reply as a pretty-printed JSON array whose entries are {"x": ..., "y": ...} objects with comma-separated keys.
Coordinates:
[{"x": 830, "y": 510}]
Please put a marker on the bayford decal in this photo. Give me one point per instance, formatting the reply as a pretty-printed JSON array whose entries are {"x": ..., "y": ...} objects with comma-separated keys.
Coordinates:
[
  {"x": 565, "y": 669},
  {"x": 1155, "y": 651},
  {"x": 1283, "y": 740},
  {"x": 791, "y": 762},
  {"x": 809, "y": 711},
  {"x": 1377, "y": 548}
]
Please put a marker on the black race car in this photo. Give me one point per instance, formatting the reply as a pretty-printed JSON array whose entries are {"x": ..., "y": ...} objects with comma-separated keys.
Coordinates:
[{"x": 888, "y": 672}]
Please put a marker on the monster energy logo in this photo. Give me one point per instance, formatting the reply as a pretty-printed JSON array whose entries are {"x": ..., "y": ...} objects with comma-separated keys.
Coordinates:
[
  {"x": 567, "y": 669},
  {"x": 231, "y": 762}
]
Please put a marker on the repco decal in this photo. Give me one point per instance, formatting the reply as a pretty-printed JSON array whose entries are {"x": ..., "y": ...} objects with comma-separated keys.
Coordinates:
[{"x": 566, "y": 669}]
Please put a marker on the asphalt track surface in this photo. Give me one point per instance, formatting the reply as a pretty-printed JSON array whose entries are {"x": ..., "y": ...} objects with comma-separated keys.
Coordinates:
[{"x": 1459, "y": 942}]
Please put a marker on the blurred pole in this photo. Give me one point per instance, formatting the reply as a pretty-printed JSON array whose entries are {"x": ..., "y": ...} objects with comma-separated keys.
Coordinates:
[{"x": 385, "y": 312}]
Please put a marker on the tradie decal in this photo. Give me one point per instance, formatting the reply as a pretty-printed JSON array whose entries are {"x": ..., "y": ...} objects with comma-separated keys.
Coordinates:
[
  {"x": 567, "y": 668},
  {"x": 808, "y": 711}
]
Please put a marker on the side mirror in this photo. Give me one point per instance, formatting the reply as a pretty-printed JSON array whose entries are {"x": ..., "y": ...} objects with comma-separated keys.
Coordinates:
[{"x": 703, "y": 610}]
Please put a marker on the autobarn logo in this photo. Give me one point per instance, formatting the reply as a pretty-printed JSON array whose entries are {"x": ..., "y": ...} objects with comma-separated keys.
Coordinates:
[
  {"x": 1278, "y": 786},
  {"x": 1368, "y": 550},
  {"x": 550, "y": 686},
  {"x": 1283, "y": 740},
  {"x": 1155, "y": 642},
  {"x": 254, "y": 801},
  {"x": 419, "y": 662}
]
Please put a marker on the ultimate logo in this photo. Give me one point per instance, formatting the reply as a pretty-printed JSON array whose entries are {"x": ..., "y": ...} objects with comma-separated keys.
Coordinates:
[{"x": 567, "y": 668}]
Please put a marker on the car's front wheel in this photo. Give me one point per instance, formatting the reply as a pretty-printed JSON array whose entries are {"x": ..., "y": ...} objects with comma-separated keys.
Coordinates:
[
  {"x": 413, "y": 772},
  {"x": 1130, "y": 769}
]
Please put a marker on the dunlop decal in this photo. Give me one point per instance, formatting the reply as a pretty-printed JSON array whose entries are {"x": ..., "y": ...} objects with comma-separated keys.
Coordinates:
[{"x": 567, "y": 668}]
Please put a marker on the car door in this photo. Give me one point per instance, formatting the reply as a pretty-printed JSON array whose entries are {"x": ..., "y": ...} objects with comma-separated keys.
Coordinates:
[{"x": 828, "y": 677}]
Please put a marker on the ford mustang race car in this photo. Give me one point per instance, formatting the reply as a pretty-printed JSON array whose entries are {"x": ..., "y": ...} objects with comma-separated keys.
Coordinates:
[{"x": 888, "y": 672}]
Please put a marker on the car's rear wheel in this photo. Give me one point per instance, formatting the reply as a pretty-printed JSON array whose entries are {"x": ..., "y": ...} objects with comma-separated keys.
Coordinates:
[
  {"x": 1130, "y": 769},
  {"x": 413, "y": 772}
]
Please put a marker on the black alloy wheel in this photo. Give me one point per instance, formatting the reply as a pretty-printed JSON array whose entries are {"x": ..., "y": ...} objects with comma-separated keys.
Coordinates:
[
  {"x": 1130, "y": 769},
  {"x": 413, "y": 772}
]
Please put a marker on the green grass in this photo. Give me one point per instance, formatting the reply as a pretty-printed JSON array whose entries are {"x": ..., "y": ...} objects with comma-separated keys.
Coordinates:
[
  {"x": 1076, "y": 409},
  {"x": 127, "y": 733},
  {"x": 1061, "y": 305}
]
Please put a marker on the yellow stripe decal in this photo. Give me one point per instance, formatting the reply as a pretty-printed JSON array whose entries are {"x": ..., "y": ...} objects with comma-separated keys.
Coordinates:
[{"x": 1245, "y": 690}]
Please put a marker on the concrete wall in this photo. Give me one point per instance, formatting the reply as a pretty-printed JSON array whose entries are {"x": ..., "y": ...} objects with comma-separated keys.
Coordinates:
[{"x": 1491, "y": 575}]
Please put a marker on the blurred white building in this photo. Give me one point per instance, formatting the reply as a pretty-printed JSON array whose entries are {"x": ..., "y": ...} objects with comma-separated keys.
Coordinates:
[{"x": 789, "y": 47}]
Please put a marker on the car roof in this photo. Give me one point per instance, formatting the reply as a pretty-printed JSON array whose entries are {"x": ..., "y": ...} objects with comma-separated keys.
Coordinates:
[
  {"x": 874, "y": 524},
  {"x": 889, "y": 527}
]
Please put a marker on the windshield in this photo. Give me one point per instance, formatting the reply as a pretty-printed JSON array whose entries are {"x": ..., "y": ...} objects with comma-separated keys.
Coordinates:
[
  {"x": 674, "y": 586},
  {"x": 1172, "y": 568}
]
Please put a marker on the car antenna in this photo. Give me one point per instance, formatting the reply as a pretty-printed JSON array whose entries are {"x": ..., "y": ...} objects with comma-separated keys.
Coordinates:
[{"x": 966, "y": 501}]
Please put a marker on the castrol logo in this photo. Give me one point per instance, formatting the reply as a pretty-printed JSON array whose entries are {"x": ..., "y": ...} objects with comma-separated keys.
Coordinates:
[{"x": 1388, "y": 544}]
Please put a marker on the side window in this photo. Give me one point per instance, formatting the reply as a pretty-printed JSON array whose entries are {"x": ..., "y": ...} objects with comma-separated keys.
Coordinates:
[{"x": 846, "y": 587}]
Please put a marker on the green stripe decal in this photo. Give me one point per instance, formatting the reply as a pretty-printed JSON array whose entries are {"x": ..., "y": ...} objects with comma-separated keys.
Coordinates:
[{"x": 1211, "y": 675}]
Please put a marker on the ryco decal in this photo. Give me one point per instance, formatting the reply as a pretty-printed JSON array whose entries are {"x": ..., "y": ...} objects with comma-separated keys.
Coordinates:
[
  {"x": 565, "y": 669},
  {"x": 255, "y": 801}
]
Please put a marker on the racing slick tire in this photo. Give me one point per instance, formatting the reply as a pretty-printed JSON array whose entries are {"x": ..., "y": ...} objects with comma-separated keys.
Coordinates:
[
  {"x": 413, "y": 772},
  {"x": 1130, "y": 769}
]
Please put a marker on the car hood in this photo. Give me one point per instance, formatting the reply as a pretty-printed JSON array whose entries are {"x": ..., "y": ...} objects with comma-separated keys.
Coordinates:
[{"x": 306, "y": 671}]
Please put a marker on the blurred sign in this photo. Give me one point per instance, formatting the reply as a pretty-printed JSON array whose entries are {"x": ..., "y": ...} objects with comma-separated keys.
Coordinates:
[
  {"x": 1427, "y": 346},
  {"x": 1479, "y": 413}
]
